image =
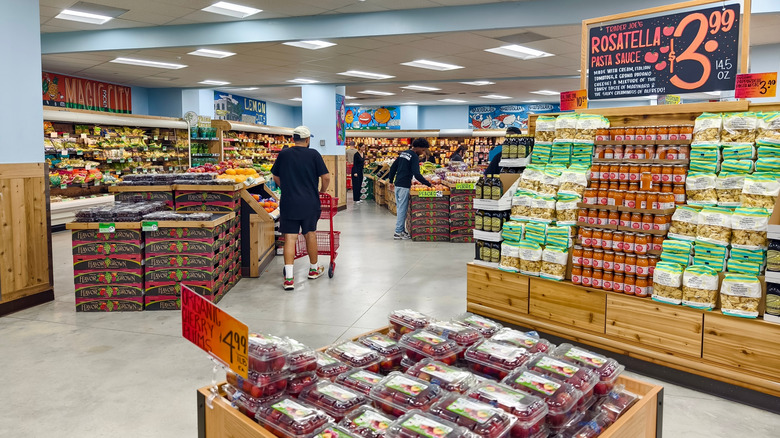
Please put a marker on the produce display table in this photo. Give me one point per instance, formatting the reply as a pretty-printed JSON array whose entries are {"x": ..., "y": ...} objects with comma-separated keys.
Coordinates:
[{"x": 143, "y": 193}]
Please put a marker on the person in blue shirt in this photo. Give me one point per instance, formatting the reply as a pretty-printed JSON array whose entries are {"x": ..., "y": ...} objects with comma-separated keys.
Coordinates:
[
  {"x": 406, "y": 166},
  {"x": 495, "y": 154}
]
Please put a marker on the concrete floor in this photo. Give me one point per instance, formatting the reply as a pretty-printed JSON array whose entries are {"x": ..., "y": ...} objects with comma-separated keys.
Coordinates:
[{"x": 67, "y": 374}]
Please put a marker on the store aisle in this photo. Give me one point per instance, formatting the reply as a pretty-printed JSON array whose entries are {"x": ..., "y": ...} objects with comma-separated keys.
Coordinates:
[{"x": 69, "y": 374}]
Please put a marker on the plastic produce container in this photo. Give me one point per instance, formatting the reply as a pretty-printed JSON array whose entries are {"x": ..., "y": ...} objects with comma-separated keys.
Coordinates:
[
  {"x": 298, "y": 382},
  {"x": 302, "y": 358},
  {"x": 246, "y": 405},
  {"x": 418, "y": 424},
  {"x": 495, "y": 360},
  {"x": 392, "y": 334},
  {"x": 591, "y": 425},
  {"x": 367, "y": 422},
  {"x": 397, "y": 393},
  {"x": 516, "y": 338},
  {"x": 487, "y": 327},
  {"x": 267, "y": 353},
  {"x": 333, "y": 431},
  {"x": 290, "y": 418},
  {"x": 391, "y": 352},
  {"x": 481, "y": 418},
  {"x": 260, "y": 385},
  {"x": 607, "y": 368},
  {"x": 422, "y": 344},
  {"x": 463, "y": 335},
  {"x": 356, "y": 355},
  {"x": 407, "y": 320},
  {"x": 359, "y": 380},
  {"x": 530, "y": 411},
  {"x": 578, "y": 376},
  {"x": 562, "y": 399},
  {"x": 334, "y": 399},
  {"x": 329, "y": 367},
  {"x": 616, "y": 403},
  {"x": 450, "y": 378},
  {"x": 406, "y": 363}
]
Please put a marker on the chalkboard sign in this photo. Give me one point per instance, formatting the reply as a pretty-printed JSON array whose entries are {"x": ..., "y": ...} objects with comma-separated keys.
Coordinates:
[{"x": 686, "y": 52}]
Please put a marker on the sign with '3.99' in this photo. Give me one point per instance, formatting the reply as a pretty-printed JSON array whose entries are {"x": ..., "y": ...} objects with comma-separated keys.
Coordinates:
[{"x": 686, "y": 52}]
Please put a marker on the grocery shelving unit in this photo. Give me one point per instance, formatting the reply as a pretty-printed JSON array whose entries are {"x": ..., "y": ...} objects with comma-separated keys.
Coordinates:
[{"x": 245, "y": 141}]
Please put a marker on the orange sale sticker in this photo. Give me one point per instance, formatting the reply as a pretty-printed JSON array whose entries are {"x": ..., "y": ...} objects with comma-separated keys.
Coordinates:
[
  {"x": 572, "y": 100},
  {"x": 756, "y": 85}
]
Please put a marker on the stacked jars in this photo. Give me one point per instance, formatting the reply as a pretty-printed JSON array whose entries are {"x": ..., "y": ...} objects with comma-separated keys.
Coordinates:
[{"x": 650, "y": 133}]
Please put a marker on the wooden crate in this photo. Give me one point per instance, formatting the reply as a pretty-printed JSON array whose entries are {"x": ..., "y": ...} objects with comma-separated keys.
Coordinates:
[{"x": 567, "y": 304}]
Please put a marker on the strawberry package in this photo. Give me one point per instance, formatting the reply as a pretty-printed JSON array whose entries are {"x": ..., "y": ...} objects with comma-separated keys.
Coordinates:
[
  {"x": 580, "y": 377},
  {"x": 245, "y": 404},
  {"x": 481, "y": 418},
  {"x": 267, "y": 353},
  {"x": 516, "y": 338},
  {"x": 463, "y": 335},
  {"x": 302, "y": 358},
  {"x": 495, "y": 360},
  {"x": 356, "y": 355},
  {"x": 422, "y": 344},
  {"x": 367, "y": 422},
  {"x": 334, "y": 399},
  {"x": 397, "y": 393},
  {"x": 450, "y": 378},
  {"x": 333, "y": 431},
  {"x": 329, "y": 367},
  {"x": 608, "y": 369},
  {"x": 296, "y": 383},
  {"x": 289, "y": 418},
  {"x": 359, "y": 380},
  {"x": 259, "y": 385},
  {"x": 418, "y": 424},
  {"x": 562, "y": 398},
  {"x": 391, "y": 352},
  {"x": 530, "y": 411},
  {"x": 486, "y": 326}
]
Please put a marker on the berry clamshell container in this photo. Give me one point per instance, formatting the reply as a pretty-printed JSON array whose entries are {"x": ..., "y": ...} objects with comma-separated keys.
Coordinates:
[
  {"x": 407, "y": 320},
  {"x": 530, "y": 411},
  {"x": 298, "y": 382},
  {"x": 334, "y": 399},
  {"x": 359, "y": 380},
  {"x": 397, "y": 393},
  {"x": 406, "y": 363},
  {"x": 290, "y": 418},
  {"x": 578, "y": 376},
  {"x": 356, "y": 355},
  {"x": 463, "y": 335},
  {"x": 301, "y": 358},
  {"x": 267, "y": 353},
  {"x": 607, "y": 368},
  {"x": 449, "y": 378},
  {"x": 246, "y": 405},
  {"x": 259, "y": 385},
  {"x": 391, "y": 352},
  {"x": 332, "y": 430},
  {"x": 487, "y": 327},
  {"x": 481, "y": 418},
  {"x": 421, "y": 344},
  {"x": 494, "y": 359},
  {"x": 591, "y": 425},
  {"x": 329, "y": 367},
  {"x": 392, "y": 334},
  {"x": 367, "y": 422},
  {"x": 532, "y": 343},
  {"x": 562, "y": 398},
  {"x": 616, "y": 403},
  {"x": 418, "y": 424}
]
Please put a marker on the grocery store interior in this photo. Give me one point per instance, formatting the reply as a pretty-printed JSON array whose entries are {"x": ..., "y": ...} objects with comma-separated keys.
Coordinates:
[{"x": 603, "y": 259}]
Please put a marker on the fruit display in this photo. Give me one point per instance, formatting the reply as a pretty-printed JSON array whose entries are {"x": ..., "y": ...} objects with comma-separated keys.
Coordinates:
[
  {"x": 267, "y": 353},
  {"x": 589, "y": 425},
  {"x": 367, "y": 422},
  {"x": 329, "y": 368},
  {"x": 418, "y": 424},
  {"x": 407, "y": 363},
  {"x": 421, "y": 344},
  {"x": 530, "y": 411},
  {"x": 391, "y": 352},
  {"x": 298, "y": 382},
  {"x": 481, "y": 418},
  {"x": 234, "y": 170},
  {"x": 562, "y": 399},
  {"x": 532, "y": 343},
  {"x": 450, "y": 378},
  {"x": 259, "y": 385},
  {"x": 463, "y": 335},
  {"x": 417, "y": 187},
  {"x": 608, "y": 369},
  {"x": 301, "y": 358},
  {"x": 580, "y": 377},
  {"x": 492, "y": 359},
  {"x": 485, "y": 326},
  {"x": 407, "y": 320},
  {"x": 359, "y": 380},
  {"x": 334, "y": 399},
  {"x": 397, "y": 393},
  {"x": 333, "y": 431},
  {"x": 616, "y": 403},
  {"x": 289, "y": 418},
  {"x": 246, "y": 405},
  {"x": 356, "y": 355},
  {"x": 268, "y": 204}
]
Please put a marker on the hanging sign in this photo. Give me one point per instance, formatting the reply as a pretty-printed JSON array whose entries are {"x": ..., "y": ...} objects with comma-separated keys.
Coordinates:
[
  {"x": 685, "y": 52},
  {"x": 68, "y": 92},
  {"x": 573, "y": 100},
  {"x": 756, "y": 85}
]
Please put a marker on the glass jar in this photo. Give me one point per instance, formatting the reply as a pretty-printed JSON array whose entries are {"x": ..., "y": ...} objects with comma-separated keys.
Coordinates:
[
  {"x": 629, "y": 284},
  {"x": 576, "y": 275},
  {"x": 603, "y": 196},
  {"x": 642, "y": 266},
  {"x": 666, "y": 174},
  {"x": 639, "y": 152},
  {"x": 620, "y": 262},
  {"x": 599, "y": 152},
  {"x": 625, "y": 219},
  {"x": 623, "y": 187},
  {"x": 630, "y": 266},
  {"x": 603, "y": 184},
  {"x": 686, "y": 132},
  {"x": 593, "y": 216},
  {"x": 636, "y": 221},
  {"x": 629, "y": 200},
  {"x": 595, "y": 173},
  {"x": 597, "y": 281},
  {"x": 606, "y": 239},
  {"x": 614, "y": 170},
  {"x": 582, "y": 217},
  {"x": 641, "y": 288},
  {"x": 598, "y": 259},
  {"x": 617, "y": 282},
  {"x": 587, "y": 257},
  {"x": 646, "y": 182},
  {"x": 652, "y": 200},
  {"x": 641, "y": 200},
  {"x": 640, "y": 132},
  {"x": 672, "y": 152},
  {"x": 679, "y": 174},
  {"x": 576, "y": 255},
  {"x": 666, "y": 200},
  {"x": 590, "y": 196},
  {"x": 618, "y": 152},
  {"x": 613, "y": 185},
  {"x": 662, "y": 222},
  {"x": 641, "y": 243},
  {"x": 679, "y": 195},
  {"x": 649, "y": 151},
  {"x": 653, "y": 260},
  {"x": 658, "y": 242},
  {"x": 614, "y": 217},
  {"x": 586, "y": 237},
  {"x": 666, "y": 188},
  {"x": 655, "y": 169},
  {"x": 597, "y": 239},
  {"x": 608, "y": 278},
  {"x": 603, "y": 218},
  {"x": 618, "y": 134},
  {"x": 651, "y": 133},
  {"x": 633, "y": 186},
  {"x": 609, "y": 152},
  {"x": 587, "y": 276},
  {"x": 602, "y": 134},
  {"x": 647, "y": 222},
  {"x": 624, "y": 170},
  {"x": 666, "y": 132},
  {"x": 628, "y": 152},
  {"x": 633, "y": 173},
  {"x": 629, "y": 241},
  {"x": 609, "y": 261},
  {"x": 619, "y": 195},
  {"x": 630, "y": 134}
]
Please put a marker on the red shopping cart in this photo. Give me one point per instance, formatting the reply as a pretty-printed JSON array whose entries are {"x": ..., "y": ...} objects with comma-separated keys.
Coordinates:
[{"x": 327, "y": 241}]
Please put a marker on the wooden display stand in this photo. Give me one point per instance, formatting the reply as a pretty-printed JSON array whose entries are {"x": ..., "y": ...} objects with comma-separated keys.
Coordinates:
[{"x": 261, "y": 247}]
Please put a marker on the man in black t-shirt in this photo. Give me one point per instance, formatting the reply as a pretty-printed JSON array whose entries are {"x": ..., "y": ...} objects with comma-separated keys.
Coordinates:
[
  {"x": 406, "y": 166},
  {"x": 297, "y": 171}
]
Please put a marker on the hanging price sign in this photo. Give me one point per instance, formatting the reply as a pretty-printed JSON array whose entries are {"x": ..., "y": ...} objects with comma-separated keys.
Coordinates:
[
  {"x": 756, "y": 85},
  {"x": 572, "y": 100},
  {"x": 464, "y": 186},
  {"x": 430, "y": 194}
]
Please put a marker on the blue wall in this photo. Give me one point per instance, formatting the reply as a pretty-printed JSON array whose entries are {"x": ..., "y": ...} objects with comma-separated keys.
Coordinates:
[
  {"x": 282, "y": 115},
  {"x": 410, "y": 117},
  {"x": 166, "y": 102},
  {"x": 443, "y": 117},
  {"x": 140, "y": 97}
]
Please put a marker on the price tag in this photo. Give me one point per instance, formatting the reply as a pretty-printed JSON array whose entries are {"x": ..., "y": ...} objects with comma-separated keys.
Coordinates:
[
  {"x": 79, "y": 152},
  {"x": 65, "y": 135},
  {"x": 107, "y": 228},
  {"x": 430, "y": 194},
  {"x": 165, "y": 138},
  {"x": 148, "y": 226},
  {"x": 214, "y": 331},
  {"x": 464, "y": 186},
  {"x": 97, "y": 182},
  {"x": 109, "y": 161},
  {"x": 164, "y": 148},
  {"x": 118, "y": 172},
  {"x": 64, "y": 153},
  {"x": 155, "y": 138},
  {"x": 53, "y": 135},
  {"x": 756, "y": 85},
  {"x": 166, "y": 158},
  {"x": 69, "y": 168},
  {"x": 145, "y": 137},
  {"x": 83, "y": 135},
  {"x": 63, "y": 186},
  {"x": 87, "y": 167},
  {"x": 122, "y": 160},
  {"x": 572, "y": 100},
  {"x": 108, "y": 136},
  {"x": 148, "y": 159},
  {"x": 124, "y": 138}
]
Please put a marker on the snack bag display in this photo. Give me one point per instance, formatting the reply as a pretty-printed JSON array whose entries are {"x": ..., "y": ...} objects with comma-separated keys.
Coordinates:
[
  {"x": 587, "y": 124},
  {"x": 714, "y": 226},
  {"x": 559, "y": 236},
  {"x": 531, "y": 178},
  {"x": 573, "y": 181},
  {"x": 739, "y": 151},
  {"x": 545, "y": 129},
  {"x": 521, "y": 204},
  {"x": 767, "y": 148},
  {"x": 705, "y": 152},
  {"x": 700, "y": 189},
  {"x": 536, "y": 232},
  {"x": 740, "y": 295},
  {"x": 768, "y": 164},
  {"x": 760, "y": 190},
  {"x": 530, "y": 258},
  {"x": 667, "y": 283},
  {"x": 566, "y": 126},
  {"x": 700, "y": 287},
  {"x": 749, "y": 228},
  {"x": 699, "y": 166},
  {"x": 554, "y": 262},
  {"x": 739, "y": 128},
  {"x": 543, "y": 209},
  {"x": 685, "y": 221},
  {"x": 551, "y": 180},
  {"x": 706, "y": 128},
  {"x": 743, "y": 267},
  {"x": 541, "y": 153},
  {"x": 560, "y": 153},
  {"x": 737, "y": 166},
  {"x": 728, "y": 187},
  {"x": 566, "y": 209},
  {"x": 510, "y": 257}
]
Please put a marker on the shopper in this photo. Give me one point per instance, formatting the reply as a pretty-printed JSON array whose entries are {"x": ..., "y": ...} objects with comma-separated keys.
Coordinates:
[
  {"x": 495, "y": 153},
  {"x": 406, "y": 166},
  {"x": 458, "y": 154},
  {"x": 351, "y": 151},
  {"x": 357, "y": 173},
  {"x": 297, "y": 171}
]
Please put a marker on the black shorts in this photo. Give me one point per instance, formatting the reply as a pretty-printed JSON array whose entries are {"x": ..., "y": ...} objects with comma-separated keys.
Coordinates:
[{"x": 294, "y": 226}]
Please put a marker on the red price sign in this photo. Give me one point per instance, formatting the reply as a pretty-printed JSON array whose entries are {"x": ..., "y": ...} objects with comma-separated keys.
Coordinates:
[
  {"x": 572, "y": 100},
  {"x": 214, "y": 331},
  {"x": 756, "y": 85}
]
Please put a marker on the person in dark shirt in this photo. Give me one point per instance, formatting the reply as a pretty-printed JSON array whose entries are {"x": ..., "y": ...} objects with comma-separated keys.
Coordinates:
[
  {"x": 357, "y": 173},
  {"x": 458, "y": 154},
  {"x": 297, "y": 171},
  {"x": 406, "y": 166},
  {"x": 495, "y": 153}
]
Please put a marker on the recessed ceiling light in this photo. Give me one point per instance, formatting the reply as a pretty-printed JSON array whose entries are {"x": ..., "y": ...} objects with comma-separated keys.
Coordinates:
[
  {"x": 410, "y": 103},
  {"x": 546, "y": 92},
  {"x": 213, "y": 82},
  {"x": 365, "y": 74},
  {"x": 478, "y": 83},
  {"x": 310, "y": 44},
  {"x": 712, "y": 93},
  {"x": 376, "y": 93},
  {"x": 303, "y": 81},
  {"x": 232, "y": 10},
  {"x": 496, "y": 97},
  {"x": 145, "y": 63},
  {"x": 517, "y": 51},
  {"x": 431, "y": 65},
  {"x": 246, "y": 89},
  {"x": 83, "y": 17},
  {"x": 297, "y": 99},
  {"x": 532, "y": 101},
  {"x": 208, "y": 53},
  {"x": 350, "y": 97},
  {"x": 452, "y": 101},
  {"x": 421, "y": 88}
]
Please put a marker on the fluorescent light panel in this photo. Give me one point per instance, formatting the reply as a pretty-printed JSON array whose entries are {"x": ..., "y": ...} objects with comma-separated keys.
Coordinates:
[
  {"x": 365, "y": 74},
  {"x": 712, "y": 93},
  {"x": 209, "y": 53},
  {"x": 303, "y": 81},
  {"x": 517, "y": 51},
  {"x": 213, "y": 82},
  {"x": 350, "y": 97},
  {"x": 431, "y": 65},
  {"x": 421, "y": 88},
  {"x": 452, "y": 101},
  {"x": 532, "y": 101},
  {"x": 297, "y": 99},
  {"x": 146, "y": 63},
  {"x": 410, "y": 103},
  {"x": 496, "y": 97},
  {"x": 546, "y": 93},
  {"x": 245, "y": 89},
  {"x": 232, "y": 10},
  {"x": 83, "y": 17},
  {"x": 310, "y": 44},
  {"x": 376, "y": 93},
  {"x": 478, "y": 83}
]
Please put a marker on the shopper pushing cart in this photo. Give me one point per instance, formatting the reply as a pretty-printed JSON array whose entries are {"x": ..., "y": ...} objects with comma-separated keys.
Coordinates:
[{"x": 298, "y": 171}]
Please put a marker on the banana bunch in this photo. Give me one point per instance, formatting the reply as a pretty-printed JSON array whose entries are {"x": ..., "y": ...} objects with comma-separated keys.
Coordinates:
[{"x": 427, "y": 168}]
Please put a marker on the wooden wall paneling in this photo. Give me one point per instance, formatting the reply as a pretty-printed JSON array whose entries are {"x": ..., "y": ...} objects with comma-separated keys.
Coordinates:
[
  {"x": 337, "y": 166},
  {"x": 497, "y": 289},
  {"x": 745, "y": 345},
  {"x": 568, "y": 304}
]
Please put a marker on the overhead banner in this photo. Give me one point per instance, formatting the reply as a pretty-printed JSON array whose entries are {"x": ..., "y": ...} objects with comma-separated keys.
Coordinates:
[
  {"x": 341, "y": 114},
  {"x": 242, "y": 109},
  {"x": 68, "y": 92},
  {"x": 373, "y": 117},
  {"x": 687, "y": 52},
  {"x": 504, "y": 116}
]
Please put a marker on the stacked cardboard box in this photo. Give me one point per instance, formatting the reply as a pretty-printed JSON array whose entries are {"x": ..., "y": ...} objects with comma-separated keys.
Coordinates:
[
  {"x": 430, "y": 217},
  {"x": 209, "y": 201},
  {"x": 461, "y": 215}
]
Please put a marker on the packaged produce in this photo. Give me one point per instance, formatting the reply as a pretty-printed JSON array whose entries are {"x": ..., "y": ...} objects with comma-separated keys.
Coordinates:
[
  {"x": 545, "y": 129},
  {"x": 706, "y": 128},
  {"x": 685, "y": 221},
  {"x": 530, "y": 341},
  {"x": 739, "y": 128},
  {"x": 486, "y": 326},
  {"x": 356, "y": 355},
  {"x": 728, "y": 187},
  {"x": 334, "y": 399},
  {"x": 700, "y": 189},
  {"x": 333, "y": 431},
  {"x": 398, "y": 393},
  {"x": 530, "y": 411},
  {"x": 298, "y": 382},
  {"x": 562, "y": 398},
  {"x": 450, "y": 378},
  {"x": 367, "y": 422},
  {"x": 246, "y": 404},
  {"x": 714, "y": 226},
  {"x": 418, "y": 424},
  {"x": 700, "y": 287},
  {"x": 462, "y": 335},
  {"x": 302, "y": 358},
  {"x": 407, "y": 321},
  {"x": 749, "y": 228},
  {"x": 530, "y": 258},
  {"x": 494, "y": 359},
  {"x": 667, "y": 283},
  {"x": 607, "y": 368},
  {"x": 289, "y": 418},
  {"x": 267, "y": 353},
  {"x": 510, "y": 257},
  {"x": 565, "y": 209},
  {"x": 740, "y": 295},
  {"x": 566, "y": 126},
  {"x": 760, "y": 190},
  {"x": 617, "y": 402},
  {"x": 359, "y": 380},
  {"x": 554, "y": 262},
  {"x": 329, "y": 367},
  {"x": 590, "y": 425},
  {"x": 422, "y": 344},
  {"x": 481, "y": 418},
  {"x": 259, "y": 385},
  {"x": 580, "y": 377},
  {"x": 389, "y": 349}
]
